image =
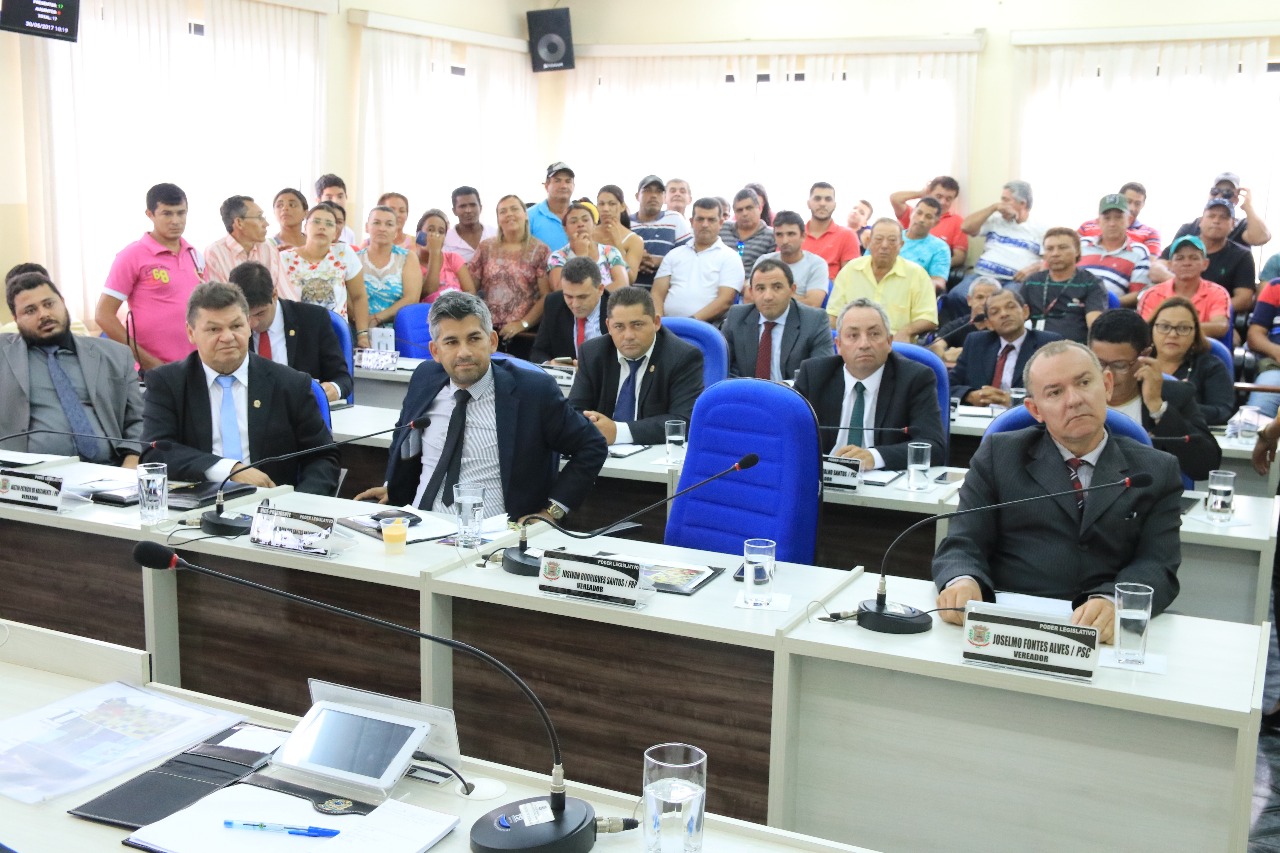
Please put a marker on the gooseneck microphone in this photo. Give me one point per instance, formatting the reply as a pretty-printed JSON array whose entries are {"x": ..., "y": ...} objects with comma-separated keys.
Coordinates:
[
  {"x": 906, "y": 430},
  {"x": 878, "y": 614},
  {"x": 216, "y": 523},
  {"x": 517, "y": 561},
  {"x": 25, "y": 433},
  {"x": 572, "y": 828}
]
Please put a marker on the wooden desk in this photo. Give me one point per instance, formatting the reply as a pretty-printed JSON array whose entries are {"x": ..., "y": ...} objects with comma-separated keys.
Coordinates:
[{"x": 894, "y": 741}]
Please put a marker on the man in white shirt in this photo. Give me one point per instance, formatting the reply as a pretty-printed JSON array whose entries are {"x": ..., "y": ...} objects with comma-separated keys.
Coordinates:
[
  {"x": 1013, "y": 242},
  {"x": 700, "y": 278}
]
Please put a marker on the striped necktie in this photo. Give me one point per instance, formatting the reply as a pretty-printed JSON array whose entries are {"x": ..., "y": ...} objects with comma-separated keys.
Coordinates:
[{"x": 1074, "y": 464}]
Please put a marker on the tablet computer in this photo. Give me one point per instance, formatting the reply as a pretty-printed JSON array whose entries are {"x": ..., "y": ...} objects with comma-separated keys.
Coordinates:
[{"x": 355, "y": 745}]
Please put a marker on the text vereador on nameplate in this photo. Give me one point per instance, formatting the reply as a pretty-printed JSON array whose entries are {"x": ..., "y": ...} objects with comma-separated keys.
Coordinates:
[
  {"x": 292, "y": 531},
  {"x": 1031, "y": 642},
  {"x": 33, "y": 490},
  {"x": 611, "y": 580}
]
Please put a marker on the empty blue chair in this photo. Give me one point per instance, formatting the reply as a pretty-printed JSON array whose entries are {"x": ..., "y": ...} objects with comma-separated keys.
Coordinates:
[
  {"x": 1228, "y": 338},
  {"x": 1223, "y": 352},
  {"x": 930, "y": 360},
  {"x": 413, "y": 333},
  {"x": 323, "y": 400},
  {"x": 343, "y": 331},
  {"x": 1113, "y": 301},
  {"x": 778, "y": 499},
  {"x": 706, "y": 337}
]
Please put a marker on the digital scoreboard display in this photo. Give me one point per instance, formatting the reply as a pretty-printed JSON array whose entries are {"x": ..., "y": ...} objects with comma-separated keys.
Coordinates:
[{"x": 55, "y": 19}]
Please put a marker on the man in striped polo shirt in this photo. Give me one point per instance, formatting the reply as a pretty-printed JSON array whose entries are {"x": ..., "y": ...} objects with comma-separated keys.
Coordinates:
[
  {"x": 1113, "y": 256},
  {"x": 661, "y": 230}
]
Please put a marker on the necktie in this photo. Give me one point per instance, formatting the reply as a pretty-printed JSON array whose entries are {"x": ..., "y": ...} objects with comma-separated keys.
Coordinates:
[
  {"x": 449, "y": 467},
  {"x": 582, "y": 331},
  {"x": 264, "y": 345},
  {"x": 228, "y": 423},
  {"x": 87, "y": 448},
  {"x": 1074, "y": 464},
  {"x": 625, "y": 410},
  {"x": 858, "y": 416},
  {"x": 764, "y": 355},
  {"x": 997, "y": 381}
]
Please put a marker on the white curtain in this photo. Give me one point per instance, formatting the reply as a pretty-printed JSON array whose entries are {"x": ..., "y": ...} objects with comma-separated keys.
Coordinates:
[
  {"x": 139, "y": 100},
  {"x": 1170, "y": 115},
  {"x": 869, "y": 124},
  {"x": 434, "y": 116}
]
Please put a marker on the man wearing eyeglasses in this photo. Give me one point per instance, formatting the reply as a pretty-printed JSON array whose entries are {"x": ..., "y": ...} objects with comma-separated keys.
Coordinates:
[
  {"x": 1166, "y": 409},
  {"x": 246, "y": 240},
  {"x": 748, "y": 234},
  {"x": 1188, "y": 263},
  {"x": 1249, "y": 231}
]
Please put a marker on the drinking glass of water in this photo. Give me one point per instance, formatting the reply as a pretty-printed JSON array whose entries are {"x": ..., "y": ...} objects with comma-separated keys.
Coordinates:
[
  {"x": 1017, "y": 396},
  {"x": 675, "y": 798},
  {"x": 757, "y": 571},
  {"x": 468, "y": 499},
  {"x": 1248, "y": 419},
  {"x": 1133, "y": 616},
  {"x": 677, "y": 434},
  {"x": 153, "y": 492},
  {"x": 1222, "y": 489},
  {"x": 918, "y": 453}
]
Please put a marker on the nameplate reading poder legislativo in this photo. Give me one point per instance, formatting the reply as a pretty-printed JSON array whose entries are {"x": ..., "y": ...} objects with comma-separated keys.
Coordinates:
[
  {"x": 33, "y": 490},
  {"x": 298, "y": 532},
  {"x": 611, "y": 580},
  {"x": 1032, "y": 642},
  {"x": 842, "y": 472}
]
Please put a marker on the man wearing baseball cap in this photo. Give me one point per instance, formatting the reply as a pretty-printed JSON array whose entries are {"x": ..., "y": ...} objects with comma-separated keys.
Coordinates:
[
  {"x": 661, "y": 230},
  {"x": 1230, "y": 264},
  {"x": 546, "y": 217},
  {"x": 1123, "y": 264},
  {"x": 1249, "y": 231},
  {"x": 1187, "y": 263}
]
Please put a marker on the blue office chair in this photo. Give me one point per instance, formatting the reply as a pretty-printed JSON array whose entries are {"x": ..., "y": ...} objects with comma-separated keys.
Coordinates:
[
  {"x": 343, "y": 331},
  {"x": 831, "y": 283},
  {"x": 413, "y": 334},
  {"x": 930, "y": 360},
  {"x": 518, "y": 362},
  {"x": 778, "y": 499},
  {"x": 1223, "y": 352},
  {"x": 1113, "y": 301},
  {"x": 323, "y": 400},
  {"x": 706, "y": 337}
]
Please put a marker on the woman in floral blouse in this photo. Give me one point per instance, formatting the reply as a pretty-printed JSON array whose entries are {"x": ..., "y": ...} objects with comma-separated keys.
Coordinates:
[
  {"x": 329, "y": 274},
  {"x": 510, "y": 271}
]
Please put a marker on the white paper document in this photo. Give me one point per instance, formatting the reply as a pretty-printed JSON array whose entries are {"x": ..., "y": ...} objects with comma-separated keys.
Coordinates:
[{"x": 1034, "y": 603}]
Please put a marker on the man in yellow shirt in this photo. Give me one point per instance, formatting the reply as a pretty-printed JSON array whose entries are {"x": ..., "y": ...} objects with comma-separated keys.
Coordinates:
[{"x": 903, "y": 288}]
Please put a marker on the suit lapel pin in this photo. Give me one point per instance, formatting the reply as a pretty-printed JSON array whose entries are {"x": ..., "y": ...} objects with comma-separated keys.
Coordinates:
[
  {"x": 257, "y": 404},
  {"x": 652, "y": 368},
  {"x": 291, "y": 333}
]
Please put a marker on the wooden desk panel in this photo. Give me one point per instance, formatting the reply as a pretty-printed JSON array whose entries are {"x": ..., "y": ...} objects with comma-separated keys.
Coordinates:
[
  {"x": 74, "y": 582},
  {"x": 715, "y": 696},
  {"x": 254, "y": 647}
]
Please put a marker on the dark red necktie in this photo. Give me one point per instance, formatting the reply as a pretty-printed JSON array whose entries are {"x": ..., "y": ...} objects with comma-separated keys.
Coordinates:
[
  {"x": 764, "y": 355},
  {"x": 582, "y": 331},
  {"x": 264, "y": 345},
  {"x": 997, "y": 381}
]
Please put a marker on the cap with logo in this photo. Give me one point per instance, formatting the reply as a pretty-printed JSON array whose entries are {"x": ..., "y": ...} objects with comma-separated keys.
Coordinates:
[
  {"x": 1114, "y": 201},
  {"x": 1187, "y": 240},
  {"x": 559, "y": 167},
  {"x": 1230, "y": 177},
  {"x": 650, "y": 180}
]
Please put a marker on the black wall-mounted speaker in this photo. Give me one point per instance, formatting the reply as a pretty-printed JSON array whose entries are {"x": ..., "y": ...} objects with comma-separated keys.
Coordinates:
[{"x": 550, "y": 40}]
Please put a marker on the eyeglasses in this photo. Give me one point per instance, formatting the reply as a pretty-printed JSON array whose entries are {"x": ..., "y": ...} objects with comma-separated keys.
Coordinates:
[
  {"x": 1218, "y": 193},
  {"x": 1180, "y": 331},
  {"x": 1119, "y": 367},
  {"x": 260, "y": 217}
]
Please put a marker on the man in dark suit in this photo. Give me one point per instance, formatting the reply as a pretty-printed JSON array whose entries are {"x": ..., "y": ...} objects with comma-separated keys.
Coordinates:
[
  {"x": 796, "y": 331},
  {"x": 992, "y": 361},
  {"x": 638, "y": 377},
  {"x": 223, "y": 406},
  {"x": 292, "y": 333},
  {"x": 489, "y": 423},
  {"x": 572, "y": 315},
  {"x": 867, "y": 394},
  {"x": 1068, "y": 547},
  {"x": 1167, "y": 409},
  {"x": 53, "y": 380}
]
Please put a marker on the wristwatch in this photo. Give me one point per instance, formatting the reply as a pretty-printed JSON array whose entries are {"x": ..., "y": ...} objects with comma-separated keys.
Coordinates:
[
  {"x": 1159, "y": 413},
  {"x": 555, "y": 511}
]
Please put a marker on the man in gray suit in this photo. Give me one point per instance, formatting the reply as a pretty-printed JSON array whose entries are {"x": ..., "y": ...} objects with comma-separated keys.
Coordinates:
[
  {"x": 52, "y": 380},
  {"x": 1075, "y": 547},
  {"x": 796, "y": 331}
]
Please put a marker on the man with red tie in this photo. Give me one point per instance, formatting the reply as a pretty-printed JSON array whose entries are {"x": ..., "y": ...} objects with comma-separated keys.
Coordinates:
[
  {"x": 572, "y": 315},
  {"x": 992, "y": 361},
  {"x": 770, "y": 337}
]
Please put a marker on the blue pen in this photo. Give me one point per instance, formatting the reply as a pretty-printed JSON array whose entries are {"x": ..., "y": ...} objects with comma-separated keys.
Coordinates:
[{"x": 309, "y": 831}]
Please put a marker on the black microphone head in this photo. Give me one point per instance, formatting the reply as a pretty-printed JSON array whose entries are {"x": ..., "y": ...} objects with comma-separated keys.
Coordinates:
[
  {"x": 748, "y": 461},
  {"x": 153, "y": 555},
  {"x": 1142, "y": 480},
  {"x": 979, "y": 318}
]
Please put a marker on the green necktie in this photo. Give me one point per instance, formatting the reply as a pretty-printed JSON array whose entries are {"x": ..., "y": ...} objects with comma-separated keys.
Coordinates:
[{"x": 858, "y": 414}]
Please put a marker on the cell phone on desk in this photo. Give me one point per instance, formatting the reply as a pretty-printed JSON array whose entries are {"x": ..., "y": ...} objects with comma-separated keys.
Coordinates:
[
  {"x": 742, "y": 571},
  {"x": 949, "y": 477},
  {"x": 409, "y": 518}
]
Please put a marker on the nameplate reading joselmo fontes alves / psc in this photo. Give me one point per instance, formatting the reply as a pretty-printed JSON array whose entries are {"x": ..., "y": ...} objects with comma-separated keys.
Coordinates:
[
  {"x": 612, "y": 580},
  {"x": 1029, "y": 641}
]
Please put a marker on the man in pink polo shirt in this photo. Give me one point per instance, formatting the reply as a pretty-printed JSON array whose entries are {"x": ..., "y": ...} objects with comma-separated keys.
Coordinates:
[
  {"x": 156, "y": 276},
  {"x": 1188, "y": 261},
  {"x": 246, "y": 240}
]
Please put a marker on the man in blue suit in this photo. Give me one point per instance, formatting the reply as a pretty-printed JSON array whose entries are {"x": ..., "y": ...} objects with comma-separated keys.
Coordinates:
[
  {"x": 489, "y": 423},
  {"x": 992, "y": 361}
]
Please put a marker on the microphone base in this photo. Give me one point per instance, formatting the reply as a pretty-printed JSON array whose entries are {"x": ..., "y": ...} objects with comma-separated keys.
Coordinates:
[
  {"x": 893, "y": 618},
  {"x": 517, "y": 562},
  {"x": 216, "y": 524},
  {"x": 572, "y": 831}
]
